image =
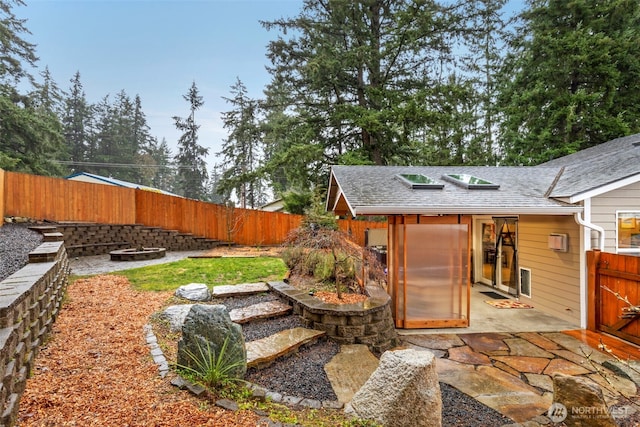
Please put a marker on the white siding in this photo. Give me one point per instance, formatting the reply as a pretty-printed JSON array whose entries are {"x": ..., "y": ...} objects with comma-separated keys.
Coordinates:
[
  {"x": 604, "y": 207},
  {"x": 555, "y": 276}
]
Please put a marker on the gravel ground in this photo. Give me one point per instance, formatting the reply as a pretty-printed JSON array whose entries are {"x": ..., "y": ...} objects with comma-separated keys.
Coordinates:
[
  {"x": 16, "y": 241},
  {"x": 302, "y": 374}
]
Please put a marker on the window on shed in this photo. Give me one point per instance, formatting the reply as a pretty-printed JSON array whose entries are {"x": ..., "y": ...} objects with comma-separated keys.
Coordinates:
[{"x": 628, "y": 231}]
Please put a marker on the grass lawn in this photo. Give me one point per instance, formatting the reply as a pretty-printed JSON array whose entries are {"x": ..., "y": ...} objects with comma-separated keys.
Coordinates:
[{"x": 211, "y": 271}]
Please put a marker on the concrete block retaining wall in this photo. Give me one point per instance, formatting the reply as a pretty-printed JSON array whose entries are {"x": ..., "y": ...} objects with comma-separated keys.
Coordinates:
[
  {"x": 84, "y": 239},
  {"x": 369, "y": 323},
  {"x": 30, "y": 300}
]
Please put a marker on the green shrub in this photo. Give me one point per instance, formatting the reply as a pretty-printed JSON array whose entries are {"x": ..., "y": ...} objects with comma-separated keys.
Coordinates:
[
  {"x": 323, "y": 266},
  {"x": 213, "y": 371},
  {"x": 293, "y": 256}
]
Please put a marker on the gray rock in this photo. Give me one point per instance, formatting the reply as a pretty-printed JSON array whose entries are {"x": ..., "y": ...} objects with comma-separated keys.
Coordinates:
[
  {"x": 403, "y": 391},
  {"x": 583, "y": 402},
  {"x": 227, "y": 404},
  {"x": 194, "y": 292},
  {"x": 176, "y": 315},
  {"x": 206, "y": 328}
]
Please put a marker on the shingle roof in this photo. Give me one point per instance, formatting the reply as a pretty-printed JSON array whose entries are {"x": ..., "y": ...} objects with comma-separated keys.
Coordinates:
[
  {"x": 533, "y": 189},
  {"x": 375, "y": 190},
  {"x": 597, "y": 166}
]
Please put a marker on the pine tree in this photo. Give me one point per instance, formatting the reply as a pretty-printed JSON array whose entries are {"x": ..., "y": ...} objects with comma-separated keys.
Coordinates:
[
  {"x": 241, "y": 150},
  {"x": 29, "y": 132},
  {"x": 360, "y": 76},
  {"x": 216, "y": 195},
  {"x": 77, "y": 120},
  {"x": 192, "y": 171},
  {"x": 571, "y": 79},
  {"x": 164, "y": 177},
  {"x": 485, "y": 38}
]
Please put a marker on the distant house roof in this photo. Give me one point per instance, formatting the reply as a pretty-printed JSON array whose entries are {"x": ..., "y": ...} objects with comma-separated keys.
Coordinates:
[
  {"x": 551, "y": 188},
  {"x": 274, "y": 206},
  {"x": 98, "y": 179}
]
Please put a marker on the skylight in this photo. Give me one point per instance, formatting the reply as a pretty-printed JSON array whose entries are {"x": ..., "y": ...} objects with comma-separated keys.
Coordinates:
[
  {"x": 471, "y": 182},
  {"x": 419, "y": 181}
]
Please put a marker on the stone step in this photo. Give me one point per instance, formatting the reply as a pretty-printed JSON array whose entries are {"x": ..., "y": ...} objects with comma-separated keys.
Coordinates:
[
  {"x": 53, "y": 237},
  {"x": 262, "y": 352},
  {"x": 224, "y": 291},
  {"x": 263, "y": 310},
  {"x": 350, "y": 369},
  {"x": 44, "y": 228}
]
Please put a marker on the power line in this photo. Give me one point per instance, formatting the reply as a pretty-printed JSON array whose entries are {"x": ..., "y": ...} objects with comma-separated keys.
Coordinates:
[{"x": 119, "y": 165}]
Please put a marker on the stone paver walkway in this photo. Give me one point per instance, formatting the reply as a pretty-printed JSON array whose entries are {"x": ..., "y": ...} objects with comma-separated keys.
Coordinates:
[
  {"x": 350, "y": 369},
  {"x": 262, "y": 310},
  {"x": 264, "y": 351},
  {"x": 512, "y": 372},
  {"x": 225, "y": 291}
]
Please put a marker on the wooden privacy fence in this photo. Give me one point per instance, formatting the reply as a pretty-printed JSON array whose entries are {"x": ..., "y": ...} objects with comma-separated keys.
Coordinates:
[
  {"x": 56, "y": 199},
  {"x": 614, "y": 294}
]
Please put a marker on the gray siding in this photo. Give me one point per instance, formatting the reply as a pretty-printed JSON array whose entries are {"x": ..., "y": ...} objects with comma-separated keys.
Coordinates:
[
  {"x": 604, "y": 207},
  {"x": 555, "y": 276}
]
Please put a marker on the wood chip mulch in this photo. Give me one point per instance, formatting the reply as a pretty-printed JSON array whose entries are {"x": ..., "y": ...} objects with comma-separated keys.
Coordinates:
[
  {"x": 96, "y": 369},
  {"x": 332, "y": 297}
]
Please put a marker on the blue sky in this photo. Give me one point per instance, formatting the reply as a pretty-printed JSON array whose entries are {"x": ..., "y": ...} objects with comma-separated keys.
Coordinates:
[{"x": 156, "y": 49}]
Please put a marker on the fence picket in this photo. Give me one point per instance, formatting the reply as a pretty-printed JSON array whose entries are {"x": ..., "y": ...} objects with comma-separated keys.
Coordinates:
[{"x": 56, "y": 199}]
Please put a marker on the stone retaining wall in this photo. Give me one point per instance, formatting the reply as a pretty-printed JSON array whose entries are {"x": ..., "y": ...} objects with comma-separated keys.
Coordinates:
[
  {"x": 369, "y": 323},
  {"x": 30, "y": 300},
  {"x": 85, "y": 239}
]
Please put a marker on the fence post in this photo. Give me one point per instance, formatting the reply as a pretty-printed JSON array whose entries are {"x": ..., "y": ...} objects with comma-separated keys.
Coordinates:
[{"x": 593, "y": 290}]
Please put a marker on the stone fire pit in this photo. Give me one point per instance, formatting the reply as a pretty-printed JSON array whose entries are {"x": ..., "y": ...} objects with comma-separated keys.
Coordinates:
[{"x": 137, "y": 254}]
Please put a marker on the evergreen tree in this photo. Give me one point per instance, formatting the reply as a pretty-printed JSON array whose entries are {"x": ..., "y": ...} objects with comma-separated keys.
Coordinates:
[
  {"x": 15, "y": 51},
  {"x": 241, "y": 150},
  {"x": 77, "y": 120},
  {"x": 291, "y": 158},
  {"x": 122, "y": 139},
  {"x": 29, "y": 133},
  {"x": 46, "y": 100},
  {"x": 216, "y": 195},
  {"x": 165, "y": 175},
  {"x": 485, "y": 38},
  {"x": 124, "y": 136},
  {"x": 103, "y": 147},
  {"x": 192, "y": 171},
  {"x": 571, "y": 80},
  {"x": 360, "y": 77}
]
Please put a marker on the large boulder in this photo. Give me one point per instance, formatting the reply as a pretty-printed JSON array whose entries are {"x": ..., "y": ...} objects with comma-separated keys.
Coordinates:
[
  {"x": 403, "y": 391},
  {"x": 210, "y": 325},
  {"x": 176, "y": 315},
  {"x": 579, "y": 402},
  {"x": 194, "y": 292}
]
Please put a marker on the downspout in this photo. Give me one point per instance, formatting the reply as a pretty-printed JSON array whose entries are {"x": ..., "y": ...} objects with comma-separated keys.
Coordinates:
[
  {"x": 583, "y": 284},
  {"x": 597, "y": 228}
]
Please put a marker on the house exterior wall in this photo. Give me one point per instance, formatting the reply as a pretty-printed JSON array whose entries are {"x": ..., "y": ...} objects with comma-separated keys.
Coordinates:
[
  {"x": 604, "y": 207},
  {"x": 555, "y": 276}
]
